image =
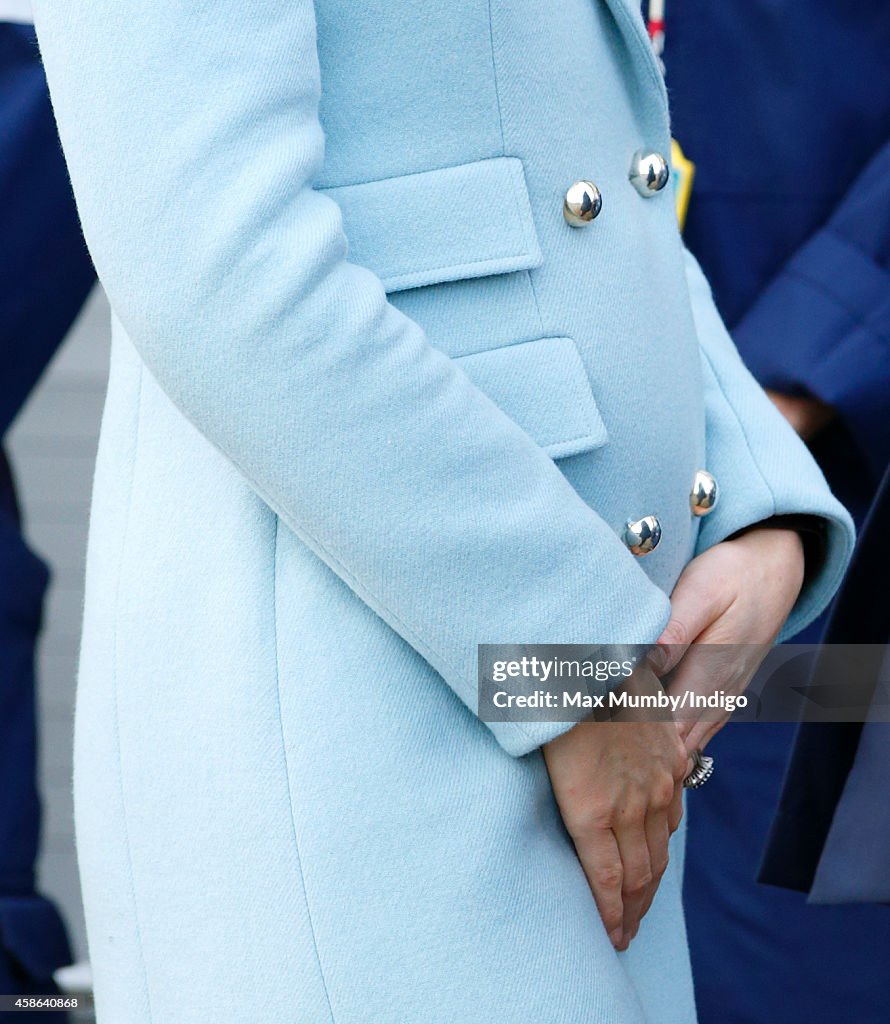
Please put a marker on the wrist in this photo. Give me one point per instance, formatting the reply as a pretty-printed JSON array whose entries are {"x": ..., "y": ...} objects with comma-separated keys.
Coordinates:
[{"x": 810, "y": 535}]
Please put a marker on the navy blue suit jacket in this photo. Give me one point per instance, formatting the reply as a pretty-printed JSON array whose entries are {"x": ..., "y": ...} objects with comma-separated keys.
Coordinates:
[
  {"x": 831, "y": 833},
  {"x": 784, "y": 106},
  {"x": 785, "y": 109}
]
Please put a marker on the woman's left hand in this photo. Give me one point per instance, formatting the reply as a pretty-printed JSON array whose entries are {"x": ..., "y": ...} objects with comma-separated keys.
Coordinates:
[{"x": 737, "y": 595}]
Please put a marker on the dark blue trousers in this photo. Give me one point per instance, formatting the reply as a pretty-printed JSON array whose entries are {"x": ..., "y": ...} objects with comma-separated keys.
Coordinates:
[{"x": 33, "y": 942}]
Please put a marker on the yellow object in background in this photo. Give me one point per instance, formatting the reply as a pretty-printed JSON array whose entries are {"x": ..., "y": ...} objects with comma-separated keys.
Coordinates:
[{"x": 683, "y": 171}]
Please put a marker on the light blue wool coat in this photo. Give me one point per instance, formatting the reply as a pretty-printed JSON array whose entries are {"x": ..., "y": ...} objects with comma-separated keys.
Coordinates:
[{"x": 373, "y": 402}]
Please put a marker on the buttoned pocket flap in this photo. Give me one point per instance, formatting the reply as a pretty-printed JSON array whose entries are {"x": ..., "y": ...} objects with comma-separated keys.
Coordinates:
[
  {"x": 543, "y": 387},
  {"x": 442, "y": 225}
]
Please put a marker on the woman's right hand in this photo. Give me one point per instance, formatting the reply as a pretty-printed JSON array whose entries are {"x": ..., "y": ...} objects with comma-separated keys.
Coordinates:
[{"x": 618, "y": 785}]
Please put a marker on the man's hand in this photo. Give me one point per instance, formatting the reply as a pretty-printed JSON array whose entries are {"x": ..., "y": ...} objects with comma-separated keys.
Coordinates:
[
  {"x": 737, "y": 593},
  {"x": 806, "y": 414},
  {"x": 619, "y": 789}
]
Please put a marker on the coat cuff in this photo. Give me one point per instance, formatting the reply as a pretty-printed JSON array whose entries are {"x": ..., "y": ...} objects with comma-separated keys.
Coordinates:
[
  {"x": 782, "y": 480},
  {"x": 605, "y": 624},
  {"x": 762, "y": 467}
]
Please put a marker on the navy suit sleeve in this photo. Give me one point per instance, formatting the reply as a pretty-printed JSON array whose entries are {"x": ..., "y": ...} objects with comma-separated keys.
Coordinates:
[
  {"x": 822, "y": 326},
  {"x": 45, "y": 269}
]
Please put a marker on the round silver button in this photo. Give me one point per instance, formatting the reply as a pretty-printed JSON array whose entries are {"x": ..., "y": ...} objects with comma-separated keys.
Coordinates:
[
  {"x": 649, "y": 172},
  {"x": 704, "y": 494},
  {"x": 583, "y": 202},
  {"x": 643, "y": 535}
]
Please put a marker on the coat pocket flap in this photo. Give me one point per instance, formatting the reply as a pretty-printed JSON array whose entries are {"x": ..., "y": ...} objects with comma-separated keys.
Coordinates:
[
  {"x": 543, "y": 386},
  {"x": 444, "y": 225}
]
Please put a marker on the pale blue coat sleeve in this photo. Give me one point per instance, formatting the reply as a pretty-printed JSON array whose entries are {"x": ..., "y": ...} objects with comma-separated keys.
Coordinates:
[
  {"x": 193, "y": 141},
  {"x": 763, "y": 467}
]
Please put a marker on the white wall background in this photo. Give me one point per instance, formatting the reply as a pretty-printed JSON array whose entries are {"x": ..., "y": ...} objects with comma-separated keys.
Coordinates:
[{"x": 52, "y": 448}]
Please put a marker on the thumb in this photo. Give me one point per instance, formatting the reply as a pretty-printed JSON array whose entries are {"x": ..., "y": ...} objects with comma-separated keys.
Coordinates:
[{"x": 694, "y": 607}]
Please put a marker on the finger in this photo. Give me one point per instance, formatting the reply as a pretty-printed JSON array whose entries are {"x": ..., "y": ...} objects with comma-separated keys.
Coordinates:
[
  {"x": 703, "y": 732},
  {"x": 694, "y": 607},
  {"x": 637, "y": 880},
  {"x": 686, "y": 728},
  {"x": 657, "y": 836},
  {"x": 601, "y": 861},
  {"x": 668, "y": 651},
  {"x": 709, "y": 668},
  {"x": 675, "y": 811},
  {"x": 703, "y": 671}
]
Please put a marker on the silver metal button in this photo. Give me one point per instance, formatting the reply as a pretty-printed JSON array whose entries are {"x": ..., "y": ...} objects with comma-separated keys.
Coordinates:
[
  {"x": 649, "y": 172},
  {"x": 583, "y": 202},
  {"x": 643, "y": 535},
  {"x": 704, "y": 494}
]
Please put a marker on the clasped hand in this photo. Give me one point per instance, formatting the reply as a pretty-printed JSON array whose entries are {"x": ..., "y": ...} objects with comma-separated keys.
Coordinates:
[{"x": 618, "y": 784}]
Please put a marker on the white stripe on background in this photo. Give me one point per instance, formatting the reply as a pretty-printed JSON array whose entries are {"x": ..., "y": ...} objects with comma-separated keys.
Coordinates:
[{"x": 16, "y": 10}]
